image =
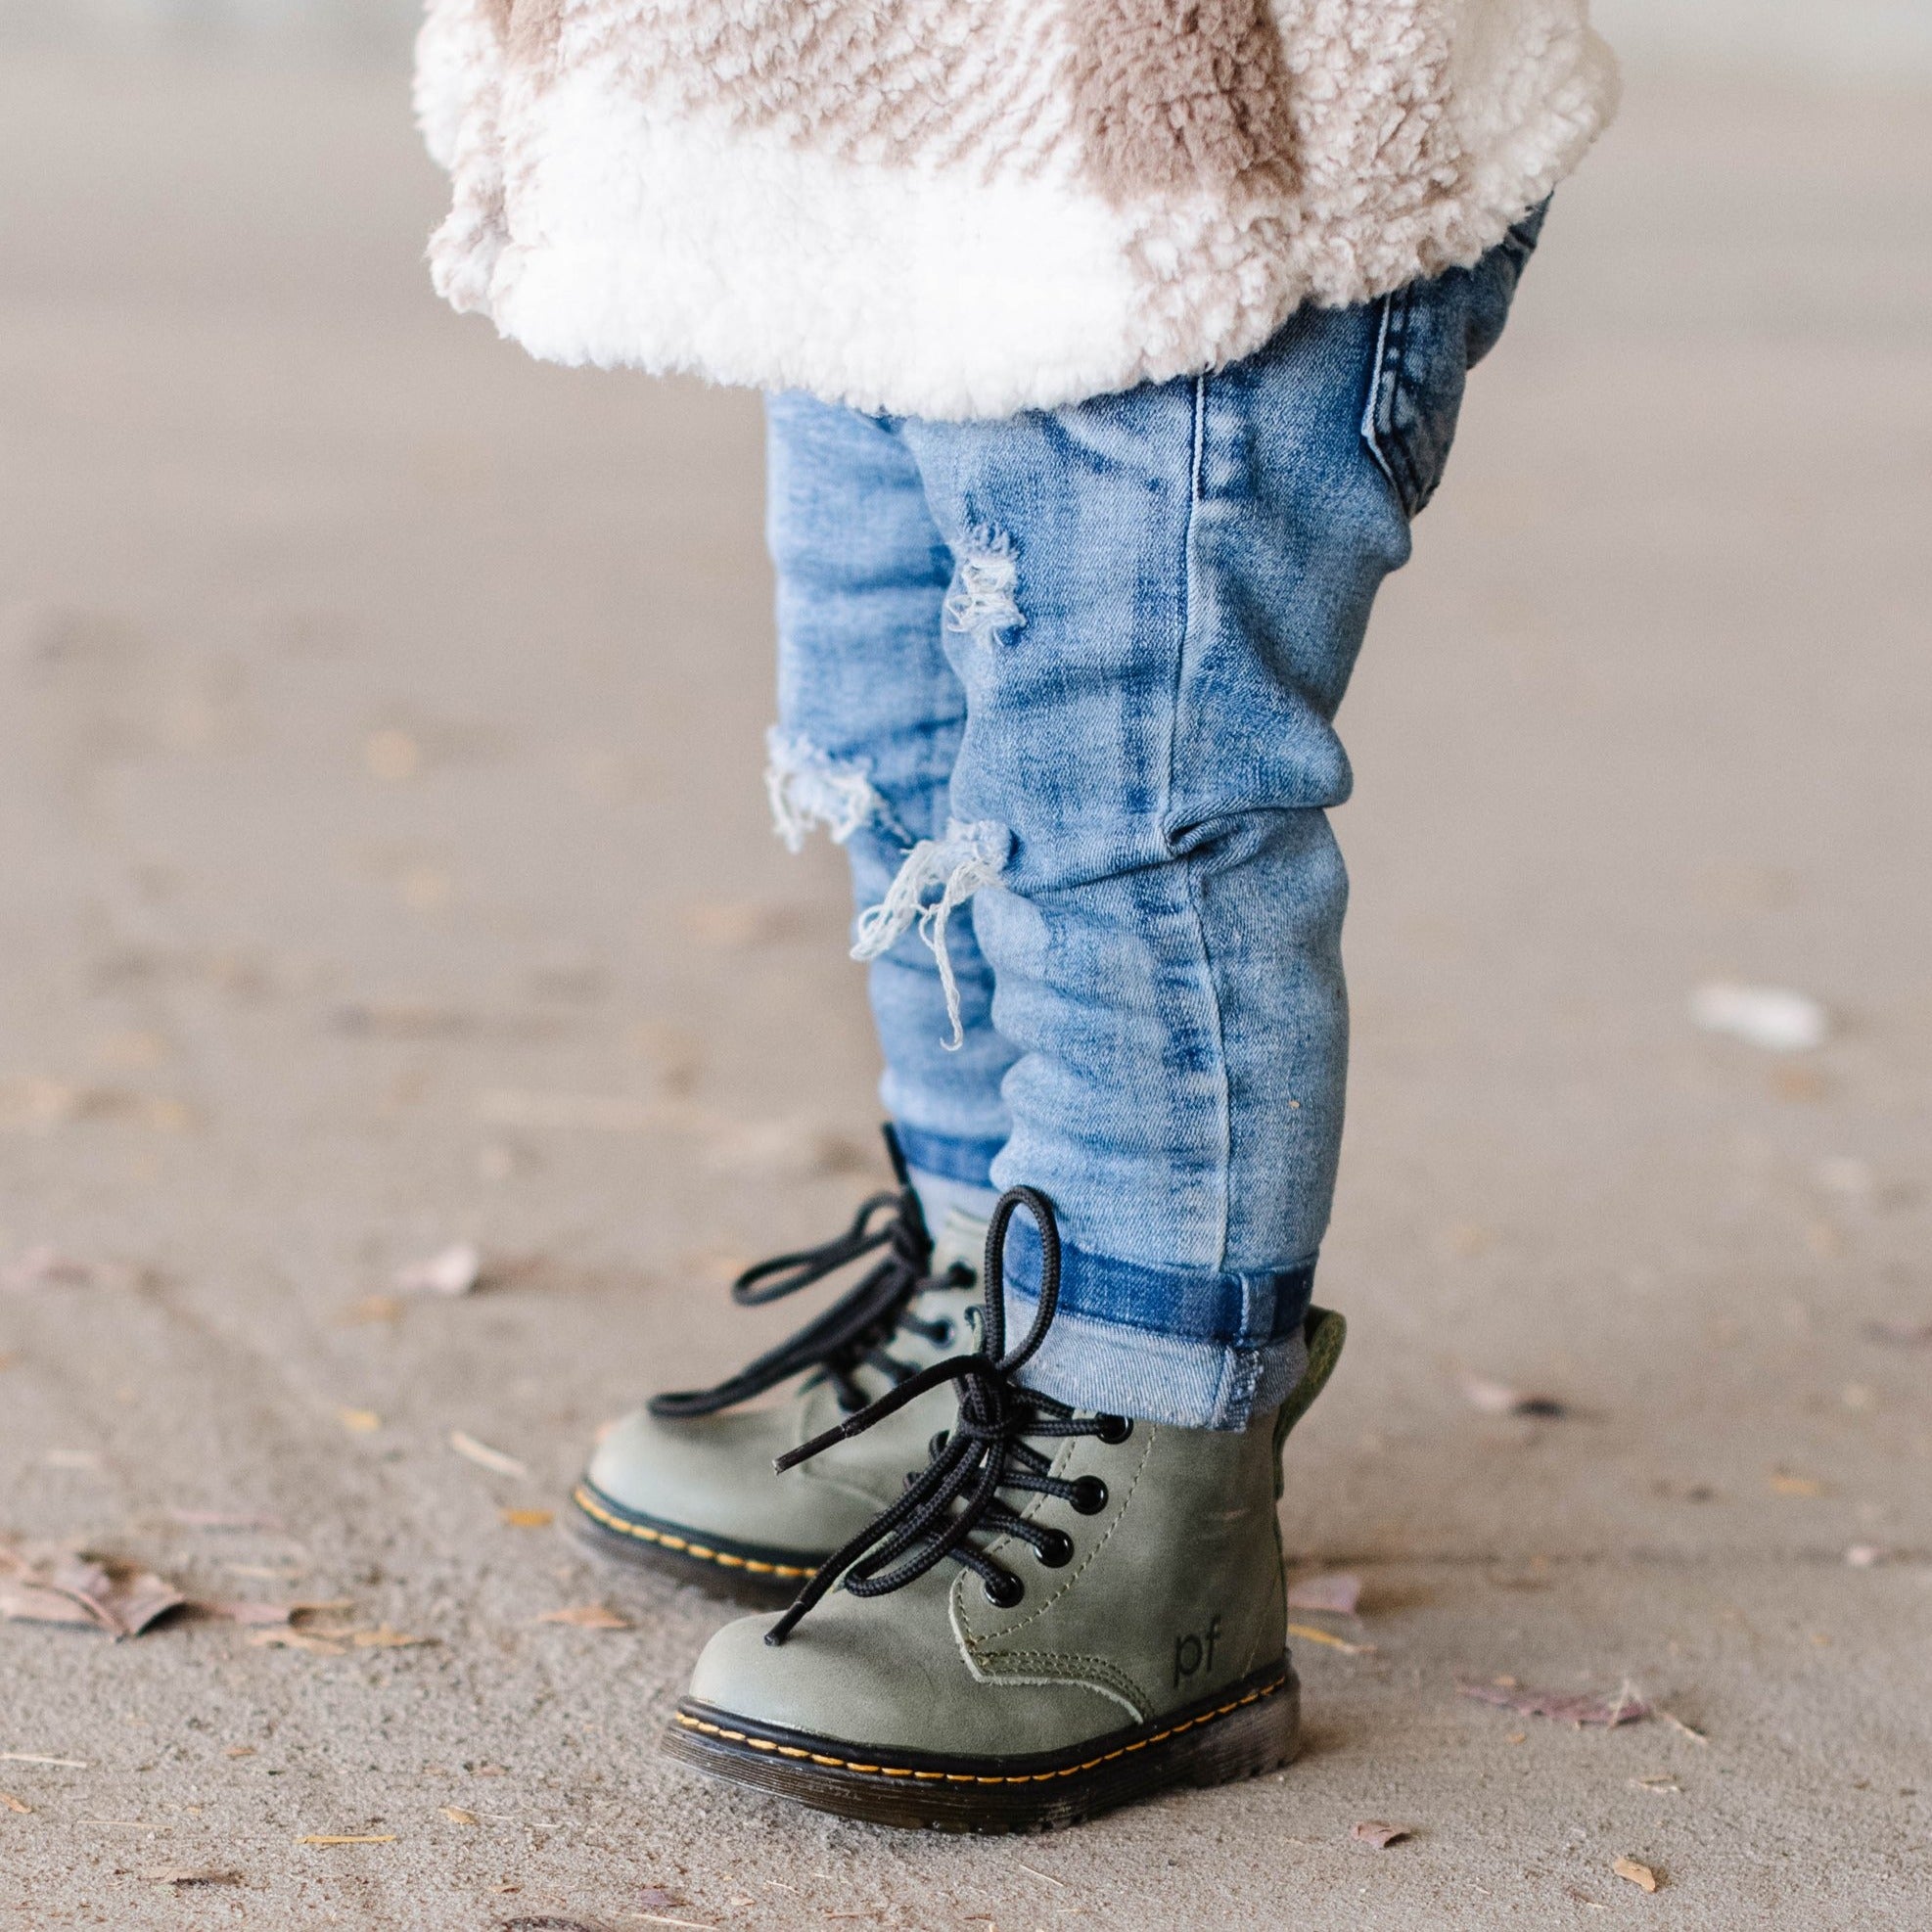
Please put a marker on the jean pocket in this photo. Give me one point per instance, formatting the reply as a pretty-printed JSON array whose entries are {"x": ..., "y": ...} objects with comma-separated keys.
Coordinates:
[{"x": 1428, "y": 337}]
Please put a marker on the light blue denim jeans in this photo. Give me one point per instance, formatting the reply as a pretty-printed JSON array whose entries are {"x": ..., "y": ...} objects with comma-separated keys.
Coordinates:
[{"x": 1063, "y": 685}]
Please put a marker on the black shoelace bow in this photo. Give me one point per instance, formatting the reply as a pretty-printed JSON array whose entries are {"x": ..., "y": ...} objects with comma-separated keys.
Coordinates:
[
  {"x": 855, "y": 1330},
  {"x": 983, "y": 1453}
]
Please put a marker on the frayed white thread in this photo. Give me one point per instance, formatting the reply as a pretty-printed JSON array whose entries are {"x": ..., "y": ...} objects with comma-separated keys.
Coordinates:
[
  {"x": 807, "y": 788},
  {"x": 968, "y": 858},
  {"x": 982, "y": 604}
]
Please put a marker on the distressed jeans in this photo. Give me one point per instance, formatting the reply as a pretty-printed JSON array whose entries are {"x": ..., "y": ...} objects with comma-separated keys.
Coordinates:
[{"x": 1064, "y": 686}]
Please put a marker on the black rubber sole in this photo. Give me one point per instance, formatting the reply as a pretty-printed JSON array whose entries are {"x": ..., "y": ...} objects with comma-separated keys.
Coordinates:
[
  {"x": 737, "y": 1573},
  {"x": 1251, "y": 1728}
]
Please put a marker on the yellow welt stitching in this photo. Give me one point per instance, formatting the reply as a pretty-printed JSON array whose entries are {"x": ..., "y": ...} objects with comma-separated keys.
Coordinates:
[
  {"x": 971, "y": 1777},
  {"x": 666, "y": 1540}
]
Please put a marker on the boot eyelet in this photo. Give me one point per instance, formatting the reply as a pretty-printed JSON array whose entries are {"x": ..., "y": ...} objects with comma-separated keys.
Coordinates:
[
  {"x": 1089, "y": 1496},
  {"x": 1113, "y": 1429},
  {"x": 1004, "y": 1592},
  {"x": 1057, "y": 1551},
  {"x": 943, "y": 1332}
]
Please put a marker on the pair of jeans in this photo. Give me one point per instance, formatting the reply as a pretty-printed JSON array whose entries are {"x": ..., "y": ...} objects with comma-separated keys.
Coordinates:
[{"x": 1064, "y": 686}]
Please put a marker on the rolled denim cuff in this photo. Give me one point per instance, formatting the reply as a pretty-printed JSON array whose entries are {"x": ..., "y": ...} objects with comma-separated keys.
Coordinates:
[
  {"x": 946, "y": 1157},
  {"x": 1199, "y": 1351}
]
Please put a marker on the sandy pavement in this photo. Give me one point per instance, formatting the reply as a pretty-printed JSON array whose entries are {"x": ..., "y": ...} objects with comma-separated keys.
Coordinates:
[{"x": 387, "y": 866}]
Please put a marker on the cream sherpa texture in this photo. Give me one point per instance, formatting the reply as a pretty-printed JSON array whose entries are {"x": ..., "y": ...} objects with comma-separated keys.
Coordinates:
[{"x": 966, "y": 208}]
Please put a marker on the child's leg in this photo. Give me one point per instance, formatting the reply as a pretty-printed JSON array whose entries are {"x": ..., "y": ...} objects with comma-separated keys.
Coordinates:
[
  {"x": 870, "y": 717},
  {"x": 1177, "y": 581}
]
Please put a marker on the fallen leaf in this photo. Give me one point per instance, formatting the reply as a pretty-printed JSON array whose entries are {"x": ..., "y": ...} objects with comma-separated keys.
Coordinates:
[
  {"x": 14, "y": 1804},
  {"x": 216, "y": 1519},
  {"x": 528, "y": 1518},
  {"x": 1374, "y": 1831},
  {"x": 457, "y": 1815},
  {"x": 359, "y": 1421},
  {"x": 1639, "y": 1875},
  {"x": 371, "y": 1308},
  {"x": 454, "y": 1270},
  {"x": 318, "y": 1646},
  {"x": 385, "y": 1638},
  {"x": 1309, "y": 1633},
  {"x": 1774, "y": 1018},
  {"x": 1498, "y": 1399},
  {"x": 483, "y": 1455},
  {"x": 1336, "y": 1591},
  {"x": 1783, "y": 1483},
  {"x": 1901, "y": 1334},
  {"x": 1626, "y": 1709},
  {"x": 586, "y": 1617},
  {"x": 181, "y": 1875},
  {"x": 42, "y": 1583},
  {"x": 257, "y": 1616},
  {"x": 348, "y": 1838},
  {"x": 239, "y": 1751}
]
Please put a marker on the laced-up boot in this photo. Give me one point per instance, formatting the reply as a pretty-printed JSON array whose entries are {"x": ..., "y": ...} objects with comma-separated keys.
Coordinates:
[
  {"x": 1060, "y": 1613},
  {"x": 686, "y": 1485}
]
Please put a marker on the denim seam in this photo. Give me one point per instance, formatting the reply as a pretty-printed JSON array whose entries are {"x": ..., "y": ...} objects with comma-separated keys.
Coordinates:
[{"x": 1190, "y": 605}]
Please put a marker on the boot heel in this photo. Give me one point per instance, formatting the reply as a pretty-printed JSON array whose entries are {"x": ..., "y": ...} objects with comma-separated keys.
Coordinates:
[{"x": 1262, "y": 1737}]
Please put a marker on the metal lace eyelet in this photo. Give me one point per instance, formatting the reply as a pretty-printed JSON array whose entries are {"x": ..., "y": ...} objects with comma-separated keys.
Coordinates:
[
  {"x": 944, "y": 1330},
  {"x": 1003, "y": 1590},
  {"x": 1089, "y": 1496},
  {"x": 1057, "y": 1551},
  {"x": 1112, "y": 1429}
]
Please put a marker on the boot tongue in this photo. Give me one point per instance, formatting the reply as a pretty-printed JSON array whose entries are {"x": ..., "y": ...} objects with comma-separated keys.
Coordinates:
[{"x": 960, "y": 1243}]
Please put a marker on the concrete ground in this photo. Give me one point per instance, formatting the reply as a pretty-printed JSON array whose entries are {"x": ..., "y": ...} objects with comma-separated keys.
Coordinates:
[{"x": 387, "y": 866}]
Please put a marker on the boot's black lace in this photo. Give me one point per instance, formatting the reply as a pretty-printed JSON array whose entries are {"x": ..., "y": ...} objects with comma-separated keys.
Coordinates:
[
  {"x": 957, "y": 1493},
  {"x": 856, "y": 1329}
]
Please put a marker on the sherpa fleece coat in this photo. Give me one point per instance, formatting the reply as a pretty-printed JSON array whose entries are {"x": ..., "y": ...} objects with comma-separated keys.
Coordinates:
[{"x": 967, "y": 207}]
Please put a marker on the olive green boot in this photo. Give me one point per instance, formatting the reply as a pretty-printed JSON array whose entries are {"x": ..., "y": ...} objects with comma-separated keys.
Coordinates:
[
  {"x": 1063, "y": 1613},
  {"x": 686, "y": 1484}
]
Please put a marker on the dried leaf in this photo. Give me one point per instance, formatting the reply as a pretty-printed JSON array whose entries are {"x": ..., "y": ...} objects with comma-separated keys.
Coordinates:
[
  {"x": 586, "y": 1617},
  {"x": 216, "y": 1519},
  {"x": 457, "y": 1815},
  {"x": 454, "y": 1270},
  {"x": 1498, "y": 1399},
  {"x": 528, "y": 1518},
  {"x": 1309, "y": 1633},
  {"x": 1626, "y": 1709},
  {"x": 1639, "y": 1875},
  {"x": 41, "y": 1583},
  {"x": 1335, "y": 1590},
  {"x": 483, "y": 1455},
  {"x": 385, "y": 1638},
  {"x": 14, "y": 1804},
  {"x": 239, "y": 1751},
  {"x": 259, "y": 1616},
  {"x": 318, "y": 1646},
  {"x": 371, "y": 1308},
  {"x": 359, "y": 1421},
  {"x": 348, "y": 1838},
  {"x": 1770, "y": 1017},
  {"x": 1374, "y": 1831},
  {"x": 183, "y": 1875}
]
